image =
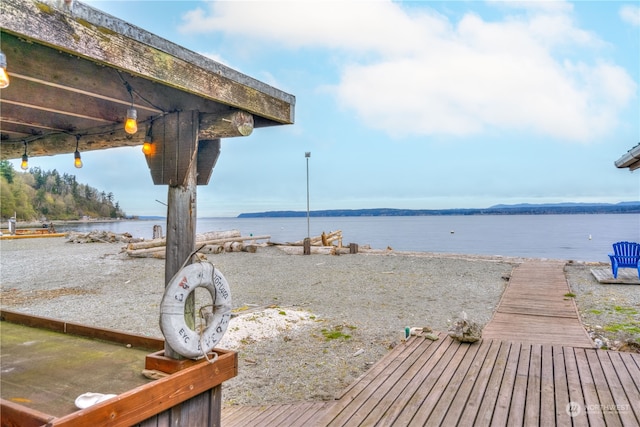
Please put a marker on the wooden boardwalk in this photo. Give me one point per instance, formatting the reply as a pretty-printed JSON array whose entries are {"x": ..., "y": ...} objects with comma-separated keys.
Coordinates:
[
  {"x": 502, "y": 381},
  {"x": 535, "y": 308}
]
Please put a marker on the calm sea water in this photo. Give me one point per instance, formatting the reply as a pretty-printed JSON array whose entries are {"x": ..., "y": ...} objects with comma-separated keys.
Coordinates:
[{"x": 574, "y": 237}]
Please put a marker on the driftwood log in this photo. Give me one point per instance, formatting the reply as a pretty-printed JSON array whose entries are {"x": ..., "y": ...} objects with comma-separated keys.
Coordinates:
[
  {"x": 315, "y": 250},
  {"x": 212, "y": 235},
  {"x": 323, "y": 240},
  {"x": 208, "y": 243}
]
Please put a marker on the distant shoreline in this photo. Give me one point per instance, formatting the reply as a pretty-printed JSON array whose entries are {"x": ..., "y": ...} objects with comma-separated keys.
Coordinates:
[
  {"x": 522, "y": 209},
  {"x": 57, "y": 222}
]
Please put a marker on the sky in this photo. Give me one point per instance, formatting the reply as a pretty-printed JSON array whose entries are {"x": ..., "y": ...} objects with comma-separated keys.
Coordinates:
[{"x": 415, "y": 105}]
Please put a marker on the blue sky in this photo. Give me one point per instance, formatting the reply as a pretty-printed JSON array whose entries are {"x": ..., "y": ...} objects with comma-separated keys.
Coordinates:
[{"x": 422, "y": 105}]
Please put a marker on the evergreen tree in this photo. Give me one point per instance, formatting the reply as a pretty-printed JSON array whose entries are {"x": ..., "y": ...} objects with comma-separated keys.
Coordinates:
[{"x": 40, "y": 195}]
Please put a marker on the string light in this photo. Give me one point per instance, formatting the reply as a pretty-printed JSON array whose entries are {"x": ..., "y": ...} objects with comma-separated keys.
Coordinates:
[
  {"x": 4, "y": 78},
  {"x": 24, "y": 165},
  {"x": 131, "y": 122},
  {"x": 77, "y": 161},
  {"x": 147, "y": 145}
]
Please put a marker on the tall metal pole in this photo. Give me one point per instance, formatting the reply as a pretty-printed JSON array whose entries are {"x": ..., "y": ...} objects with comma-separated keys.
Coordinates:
[{"x": 307, "y": 155}]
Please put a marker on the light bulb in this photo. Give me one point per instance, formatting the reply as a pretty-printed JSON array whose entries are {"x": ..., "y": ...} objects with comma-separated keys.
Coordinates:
[
  {"x": 24, "y": 165},
  {"x": 77, "y": 161},
  {"x": 4, "y": 77},
  {"x": 131, "y": 125},
  {"x": 146, "y": 147}
]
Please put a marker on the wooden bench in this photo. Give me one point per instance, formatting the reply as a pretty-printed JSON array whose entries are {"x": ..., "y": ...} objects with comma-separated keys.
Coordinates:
[{"x": 625, "y": 255}]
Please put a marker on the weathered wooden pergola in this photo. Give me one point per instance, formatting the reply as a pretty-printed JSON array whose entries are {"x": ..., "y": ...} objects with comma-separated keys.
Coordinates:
[{"x": 75, "y": 74}]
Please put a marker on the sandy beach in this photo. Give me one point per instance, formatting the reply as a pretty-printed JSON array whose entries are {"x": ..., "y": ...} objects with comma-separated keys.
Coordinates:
[{"x": 305, "y": 327}]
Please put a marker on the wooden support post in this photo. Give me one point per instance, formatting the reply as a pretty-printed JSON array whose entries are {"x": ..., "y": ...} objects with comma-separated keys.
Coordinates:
[
  {"x": 353, "y": 248},
  {"x": 306, "y": 246},
  {"x": 181, "y": 213}
]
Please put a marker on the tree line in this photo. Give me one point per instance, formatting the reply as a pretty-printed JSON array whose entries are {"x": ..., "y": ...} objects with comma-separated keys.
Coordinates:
[{"x": 38, "y": 195}]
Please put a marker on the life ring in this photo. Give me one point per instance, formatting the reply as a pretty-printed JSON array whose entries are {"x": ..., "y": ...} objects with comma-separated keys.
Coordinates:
[{"x": 184, "y": 340}]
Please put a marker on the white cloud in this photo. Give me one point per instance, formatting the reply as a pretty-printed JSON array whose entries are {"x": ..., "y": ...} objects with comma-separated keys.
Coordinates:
[
  {"x": 414, "y": 72},
  {"x": 630, "y": 14}
]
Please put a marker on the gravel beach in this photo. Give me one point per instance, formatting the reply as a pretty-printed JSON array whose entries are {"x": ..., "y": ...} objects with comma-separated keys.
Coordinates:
[{"x": 305, "y": 327}]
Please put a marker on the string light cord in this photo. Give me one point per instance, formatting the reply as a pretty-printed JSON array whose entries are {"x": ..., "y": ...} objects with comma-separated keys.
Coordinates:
[
  {"x": 108, "y": 129},
  {"x": 131, "y": 91}
]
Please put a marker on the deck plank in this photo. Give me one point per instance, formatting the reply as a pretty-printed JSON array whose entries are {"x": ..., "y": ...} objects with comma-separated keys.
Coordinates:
[
  {"x": 349, "y": 404},
  {"x": 479, "y": 394},
  {"x": 519, "y": 395},
  {"x": 501, "y": 411},
  {"x": 411, "y": 399},
  {"x": 617, "y": 391},
  {"x": 574, "y": 386},
  {"x": 532, "y": 400},
  {"x": 547, "y": 400},
  {"x": 489, "y": 398},
  {"x": 595, "y": 418},
  {"x": 461, "y": 402},
  {"x": 612, "y": 418},
  {"x": 561, "y": 388},
  {"x": 631, "y": 390},
  {"x": 436, "y": 404},
  {"x": 391, "y": 403}
]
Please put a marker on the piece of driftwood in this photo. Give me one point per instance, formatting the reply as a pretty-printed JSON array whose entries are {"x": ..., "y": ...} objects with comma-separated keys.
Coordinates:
[
  {"x": 211, "y": 235},
  {"x": 322, "y": 240},
  {"x": 316, "y": 250}
]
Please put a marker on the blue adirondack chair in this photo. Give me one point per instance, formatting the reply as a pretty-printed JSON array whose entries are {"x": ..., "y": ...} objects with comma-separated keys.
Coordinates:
[{"x": 625, "y": 255}]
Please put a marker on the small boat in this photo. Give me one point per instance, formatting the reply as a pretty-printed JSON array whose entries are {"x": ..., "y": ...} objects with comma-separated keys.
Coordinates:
[{"x": 26, "y": 233}]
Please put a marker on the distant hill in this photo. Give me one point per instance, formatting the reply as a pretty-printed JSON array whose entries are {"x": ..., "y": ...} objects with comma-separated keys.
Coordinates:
[{"x": 517, "y": 209}]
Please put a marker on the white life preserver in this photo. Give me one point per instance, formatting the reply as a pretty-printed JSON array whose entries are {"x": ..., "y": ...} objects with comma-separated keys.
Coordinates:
[{"x": 184, "y": 340}]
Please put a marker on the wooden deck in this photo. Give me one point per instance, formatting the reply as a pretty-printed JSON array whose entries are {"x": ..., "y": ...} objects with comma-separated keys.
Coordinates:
[{"x": 503, "y": 381}]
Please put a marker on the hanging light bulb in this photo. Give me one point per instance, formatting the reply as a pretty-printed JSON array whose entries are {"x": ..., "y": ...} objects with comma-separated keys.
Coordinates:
[
  {"x": 131, "y": 124},
  {"x": 24, "y": 165},
  {"x": 4, "y": 78},
  {"x": 146, "y": 146},
  {"x": 77, "y": 161}
]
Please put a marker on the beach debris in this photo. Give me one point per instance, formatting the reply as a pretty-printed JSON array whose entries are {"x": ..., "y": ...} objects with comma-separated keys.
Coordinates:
[
  {"x": 96, "y": 236},
  {"x": 213, "y": 242},
  {"x": 464, "y": 330},
  {"x": 431, "y": 336},
  {"x": 629, "y": 346},
  {"x": 358, "y": 353},
  {"x": 322, "y": 240}
]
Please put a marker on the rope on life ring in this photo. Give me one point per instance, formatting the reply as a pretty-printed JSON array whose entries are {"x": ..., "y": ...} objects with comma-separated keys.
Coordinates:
[{"x": 184, "y": 340}]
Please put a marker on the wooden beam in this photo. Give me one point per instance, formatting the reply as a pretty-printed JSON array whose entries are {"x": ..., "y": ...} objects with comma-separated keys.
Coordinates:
[
  {"x": 212, "y": 126},
  {"x": 174, "y": 148},
  {"x": 234, "y": 123},
  {"x": 208, "y": 153}
]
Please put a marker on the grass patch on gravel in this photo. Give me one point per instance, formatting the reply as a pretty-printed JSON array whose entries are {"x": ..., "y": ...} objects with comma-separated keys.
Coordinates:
[
  {"x": 625, "y": 310},
  {"x": 632, "y": 328},
  {"x": 336, "y": 332}
]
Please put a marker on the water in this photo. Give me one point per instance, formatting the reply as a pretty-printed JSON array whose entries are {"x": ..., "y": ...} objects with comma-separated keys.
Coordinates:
[{"x": 574, "y": 237}]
